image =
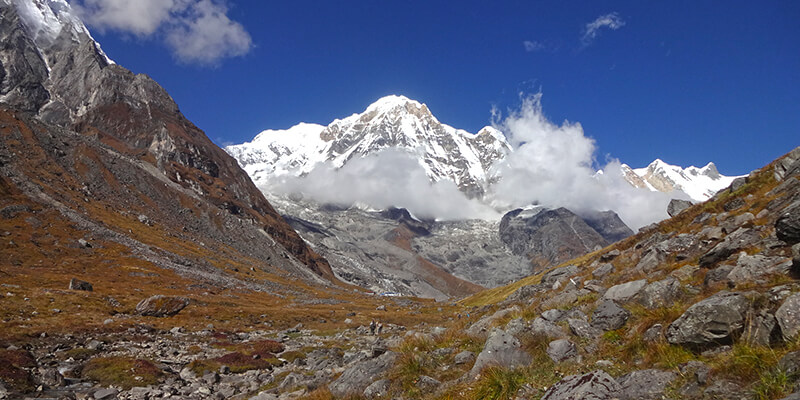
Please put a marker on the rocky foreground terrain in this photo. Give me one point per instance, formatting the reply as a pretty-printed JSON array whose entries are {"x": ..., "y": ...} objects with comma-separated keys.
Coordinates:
[{"x": 705, "y": 305}]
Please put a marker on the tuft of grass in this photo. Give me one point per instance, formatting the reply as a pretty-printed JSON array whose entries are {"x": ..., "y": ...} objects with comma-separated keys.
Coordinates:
[
  {"x": 236, "y": 361},
  {"x": 125, "y": 372},
  {"x": 498, "y": 383},
  {"x": 773, "y": 383}
]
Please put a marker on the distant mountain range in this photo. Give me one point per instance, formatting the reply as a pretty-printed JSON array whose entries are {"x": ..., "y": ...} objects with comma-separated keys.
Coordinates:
[{"x": 446, "y": 153}]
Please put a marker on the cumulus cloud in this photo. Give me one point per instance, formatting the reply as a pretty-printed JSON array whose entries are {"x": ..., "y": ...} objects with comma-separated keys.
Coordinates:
[
  {"x": 198, "y": 31},
  {"x": 555, "y": 166},
  {"x": 611, "y": 21},
  {"x": 390, "y": 177}
]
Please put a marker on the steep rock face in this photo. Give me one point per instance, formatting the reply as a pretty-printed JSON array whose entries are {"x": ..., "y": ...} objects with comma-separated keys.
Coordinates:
[
  {"x": 54, "y": 69},
  {"x": 699, "y": 183},
  {"x": 549, "y": 237}
]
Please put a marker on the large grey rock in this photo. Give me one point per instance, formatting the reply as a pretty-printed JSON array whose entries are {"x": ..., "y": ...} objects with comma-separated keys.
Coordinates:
[
  {"x": 582, "y": 329},
  {"x": 710, "y": 322},
  {"x": 597, "y": 385},
  {"x": 717, "y": 275},
  {"x": 355, "y": 379},
  {"x": 161, "y": 306},
  {"x": 788, "y": 165},
  {"x": 648, "y": 384},
  {"x": 526, "y": 292},
  {"x": 545, "y": 328},
  {"x": 464, "y": 357},
  {"x": 676, "y": 206},
  {"x": 609, "y": 316},
  {"x": 651, "y": 260},
  {"x": 500, "y": 349},
  {"x": 788, "y": 316},
  {"x": 516, "y": 327},
  {"x": 602, "y": 271},
  {"x": 660, "y": 293},
  {"x": 760, "y": 329},
  {"x": 749, "y": 268},
  {"x": 740, "y": 239},
  {"x": 560, "y": 350},
  {"x": 790, "y": 363},
  {"x": 625, "y": 292},
  {"x": 378, "y": 389},
  {"x": 723, "y": 389},
  {"x": 787, "y": 227}
]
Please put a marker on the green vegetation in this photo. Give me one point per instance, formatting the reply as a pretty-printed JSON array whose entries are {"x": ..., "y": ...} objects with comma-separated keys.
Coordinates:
[
  {"x": 498, "y": 383},
  {"x": 125, "y": 372}
]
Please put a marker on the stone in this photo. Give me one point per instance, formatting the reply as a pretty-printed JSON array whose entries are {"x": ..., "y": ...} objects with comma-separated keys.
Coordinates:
[
  {"x": 717, "y": 275},
  {"x": 597, "y": 385},
  {"x": 105, "y": 394},
  {"x": 676, "y": 206},
  {"x": 788, "y": 316},
  {"x": 77, "y": 284},
  {"x": 516, "y": 327},
  {"x": 734, "y": 204},
  {"x": 696, "y": 369},
  {"x": 609, "y": 316},
  {"x": 760, "y": 329},
  {"x": 660, "y": 293},
  {"x": 790, "y": 363},
  {"x": 559, "y": 275},
  {"x": 749, "y": 268},
  {"x": 553, "y": 315},
  {"x": 526, "y": 292},
  {"x": 161, "y": 306},
  {"x": 84, "y": 243},
  {"x": 738, "y": 183},
  {"x": 723, "y": 389},
  {"x": 625, "y": 292},
  {"x": 608, "y": 256},
  {"x": 653, "y": 333},
  {"x": 582, "y": 329},
  {"x": 648, "y": 384},
  {"x": 356, "y": 378},
  {"x": 650, "y": 261},
  {"x": 482, "y": 326},
  {"x": 710, "y": 322},
  {"x": 52, "y": 378},
  {"x": 685, "y": 272},
  {"x": 561, "y": 350},
  {"x": 427, "y": 384},
  {"x": 545, "y": 328},
  {"x": 500, "y": 349},
  {"x": 464, "y": 357},
  {"x": 740, "y": 239},
  {"x": 787, "y": 227},
  {"x": 602, "y": 271},
  {"x": 378, "y": 389}
]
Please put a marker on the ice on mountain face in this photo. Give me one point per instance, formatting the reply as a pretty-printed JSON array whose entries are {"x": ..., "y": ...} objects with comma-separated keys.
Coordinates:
[
  {"x": 46, "y": 20},
  {"x": 699, "y": 183},
  {"x": 392, "y": 122}
]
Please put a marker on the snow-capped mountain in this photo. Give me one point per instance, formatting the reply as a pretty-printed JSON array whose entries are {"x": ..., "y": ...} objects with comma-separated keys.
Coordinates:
[
  {"x": 390, "y": 122},
  {"x": 699, "y": 183}
]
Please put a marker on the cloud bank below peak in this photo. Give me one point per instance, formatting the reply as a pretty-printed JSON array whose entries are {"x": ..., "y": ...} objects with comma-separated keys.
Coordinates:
[{"x": 196, "y": 31}]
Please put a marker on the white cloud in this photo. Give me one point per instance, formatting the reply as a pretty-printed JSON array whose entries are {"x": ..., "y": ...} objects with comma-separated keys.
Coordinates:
[
  {"x": 195, "y": 30},
  {"x": 387, "y": 178},
  {"x": 532, "y": 45},
  {"x": 611, "y": 21},
  {"x": 554, "y": 165}
]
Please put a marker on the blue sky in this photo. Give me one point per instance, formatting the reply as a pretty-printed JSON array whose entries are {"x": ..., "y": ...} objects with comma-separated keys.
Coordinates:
[{"x": 685, "y": 81}]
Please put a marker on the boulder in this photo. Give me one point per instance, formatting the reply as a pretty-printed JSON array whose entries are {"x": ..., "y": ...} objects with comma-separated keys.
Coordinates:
[
  {"x": 553, "y": 315},
  {"x": 723, "y": 389},
  {"x": 561, "y": 350},
  {"x": 717, "y": 275},
  {"x": 526, "y": 292},
  {"x": 77, "y": 284},
  {"x": 597, "y": 385},
  {"x": 516, "y": 327},
  {"x": 749, "y": 268},
  {"x": 500, "y": 349},
  {"x": 355, "y": 379},
  {"x": 545, "y": 328},
  {"x": 651, "y": 260},
  {"x": 787, "y": 227},
  {"x": 653, "y": 333},
  {"x": 736, "y": 241},
  {"x": 711, "y": 321},
  {"x": 790, "y": 363},
  {"x": 787, "y": 165},
  {"x": 582, "y": 329},
  {"x": 378, "y": 389},
  {"x": 648, "y": 384},
  {"x": 161, "y": 306},
  {"x": 760, "y": 329},
  {"x": 676, "y": 206},
  {"x": 738, "y": 183},
  {"x": 465, "y": 357},
  {"x": 608, "y": 256},
  {"x": 788, "y": 316},
  {"x": 602, "y": 271},
  {"x": 609, "y": 316},
  {"x": 625, "y": 292},
  {"x": 661, "y": 293},
  {"x": 427, "y": 384}
]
